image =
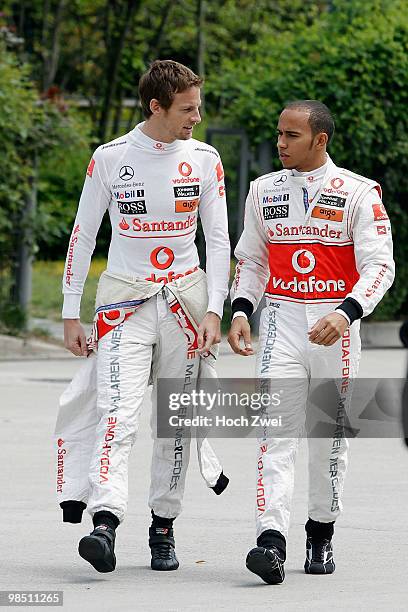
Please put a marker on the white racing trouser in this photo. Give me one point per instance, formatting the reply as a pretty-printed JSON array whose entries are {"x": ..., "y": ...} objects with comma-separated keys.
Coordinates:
[
  {"x": 286, "y": 352},
  {"x": 99, "y": 411},
  {"x": 125, "y": 356}
]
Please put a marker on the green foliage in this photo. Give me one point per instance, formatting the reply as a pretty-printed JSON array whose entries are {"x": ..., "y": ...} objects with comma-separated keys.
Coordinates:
[
  {"x": 18, "y": 112},
  {"x": 352, "y": 55},
  {"x": 31, "y": 129},
  {"x": 354, "y": 58},
  {"x": 60, "y": 177},
  {"x": 46, "y": 301}
]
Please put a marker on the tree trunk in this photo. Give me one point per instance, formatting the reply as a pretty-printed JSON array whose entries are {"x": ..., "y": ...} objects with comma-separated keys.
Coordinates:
[
  {"x": 201, "y": 46},
  {"x": 155, "y": 44},
  {"x": 118, "y": 114},
  {"x": 117, "y": 39},
  {"x": 52, "y": 57}
]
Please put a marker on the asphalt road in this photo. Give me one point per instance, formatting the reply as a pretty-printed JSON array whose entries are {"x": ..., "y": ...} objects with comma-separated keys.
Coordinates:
[{"x": 213, "y": 534}]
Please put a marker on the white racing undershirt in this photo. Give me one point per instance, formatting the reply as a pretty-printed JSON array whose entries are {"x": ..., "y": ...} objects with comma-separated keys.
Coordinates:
[
  {"x": 313, "y": 180},
  {"x": 153, "y": 192}
]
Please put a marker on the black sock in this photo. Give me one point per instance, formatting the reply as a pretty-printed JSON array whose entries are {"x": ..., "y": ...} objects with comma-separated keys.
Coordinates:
[
  {"x": 270, "y": 538},
  {"x": 104, "y": 517},
  {"x": 159, "y": 521},
  {"x": 319, "y": 531}
]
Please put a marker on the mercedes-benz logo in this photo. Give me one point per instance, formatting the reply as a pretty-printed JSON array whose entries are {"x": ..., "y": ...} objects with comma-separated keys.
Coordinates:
[
  {"x": 126, "y": 173},
  {"x": 280, "y": 179}
]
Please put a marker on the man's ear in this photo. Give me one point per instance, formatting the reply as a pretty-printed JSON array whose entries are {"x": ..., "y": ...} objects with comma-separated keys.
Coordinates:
[
  {"x": 155, "y": 106},
  {"x": 321, "y": 140}
]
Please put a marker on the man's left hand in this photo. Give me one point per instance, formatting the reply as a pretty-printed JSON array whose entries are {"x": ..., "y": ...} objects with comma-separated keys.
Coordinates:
[
  {"x": 327, "y": 330},
  {"x": 209, "y": 332}
]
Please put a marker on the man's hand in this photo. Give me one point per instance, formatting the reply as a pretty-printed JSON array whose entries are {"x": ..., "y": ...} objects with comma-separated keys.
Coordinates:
[
  {"x": 74, "y": 337},
  {"x": 327, "y": 330},
  {"x": 209, "y": 332},
  {"x": 240, "y": 329}
]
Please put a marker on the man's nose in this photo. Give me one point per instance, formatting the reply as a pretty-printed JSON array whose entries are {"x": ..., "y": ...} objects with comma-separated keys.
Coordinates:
[
  {"x": 281, "y": 143},
  {"x": 196, "y": 117}
]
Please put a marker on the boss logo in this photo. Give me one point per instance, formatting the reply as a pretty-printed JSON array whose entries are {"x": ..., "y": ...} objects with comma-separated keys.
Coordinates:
[
  {"x": 276, "y": 212},
  {"x": 132, "y": 208}
]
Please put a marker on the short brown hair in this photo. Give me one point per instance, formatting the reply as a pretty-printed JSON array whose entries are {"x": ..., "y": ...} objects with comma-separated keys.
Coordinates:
[{"x": 163, "y": 80}]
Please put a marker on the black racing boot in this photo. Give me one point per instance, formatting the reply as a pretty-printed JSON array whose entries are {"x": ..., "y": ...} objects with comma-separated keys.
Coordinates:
[
  {"x": 319, "y": 549},
  {"x": 162, "y": 545},
  {"x": 99, "y": 547},
  {"x": 267, "y": 559}
]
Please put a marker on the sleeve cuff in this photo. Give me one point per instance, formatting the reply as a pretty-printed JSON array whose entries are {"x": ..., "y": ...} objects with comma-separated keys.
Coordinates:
[
  {"x": 72, "y": 306},
  {"x": 72, "y": 511},
  {"x": 351, "y": 308},
  {"x": 239, "y": 313},
  {"x": 242, "y": 305},
  {"x": 221, "y": 484},
  {"x": 216, "y": 304},
  {"x": 343, "y": 314}
]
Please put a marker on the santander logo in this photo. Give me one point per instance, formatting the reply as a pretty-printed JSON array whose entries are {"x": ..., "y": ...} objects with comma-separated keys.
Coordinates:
[{"x": 303, "y": 261}]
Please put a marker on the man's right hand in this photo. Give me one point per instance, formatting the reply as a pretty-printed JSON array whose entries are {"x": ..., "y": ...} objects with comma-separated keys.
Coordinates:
[
  {"x": 74, "y": 337},
  {"x": 240, "y": 329}
]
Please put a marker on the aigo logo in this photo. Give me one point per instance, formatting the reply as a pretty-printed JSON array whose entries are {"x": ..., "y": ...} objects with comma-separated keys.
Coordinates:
[
  {"x": 337, "y": 183},
  {"x": 185, "y": 169},
  {"x": 303, "y": 261},
  {"x": 159, "y": 252}
]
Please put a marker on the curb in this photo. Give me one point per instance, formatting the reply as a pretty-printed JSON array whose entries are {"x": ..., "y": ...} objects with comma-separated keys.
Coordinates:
[{"x": 381, "y": 335}]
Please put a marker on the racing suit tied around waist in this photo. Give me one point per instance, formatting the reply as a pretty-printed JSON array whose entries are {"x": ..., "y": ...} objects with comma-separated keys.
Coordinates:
[{"x": 119, "y": 297}]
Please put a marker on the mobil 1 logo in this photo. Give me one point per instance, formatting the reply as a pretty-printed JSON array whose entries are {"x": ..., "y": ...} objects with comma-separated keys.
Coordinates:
[{"x": 275, "y": 212}]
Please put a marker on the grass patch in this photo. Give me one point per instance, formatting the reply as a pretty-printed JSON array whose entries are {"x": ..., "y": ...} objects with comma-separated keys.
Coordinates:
[{"x": 46, "y": 301}]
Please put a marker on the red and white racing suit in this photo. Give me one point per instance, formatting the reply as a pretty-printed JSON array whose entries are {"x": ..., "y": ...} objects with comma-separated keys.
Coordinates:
[
  {"x": 153, "y": 192},
  {"x": 335, "y": 254}
]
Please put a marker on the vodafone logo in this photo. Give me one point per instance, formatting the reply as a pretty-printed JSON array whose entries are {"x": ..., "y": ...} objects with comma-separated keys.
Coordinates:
[
  {"x": 185, "y": 169},
  {"x": 165, "y": 255},
  {"x": 303, "y": 261},
  {"x": 337, "y": 183},
  {"x": 380, "y": 214},
  {"x": 159, "y": 145}
]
